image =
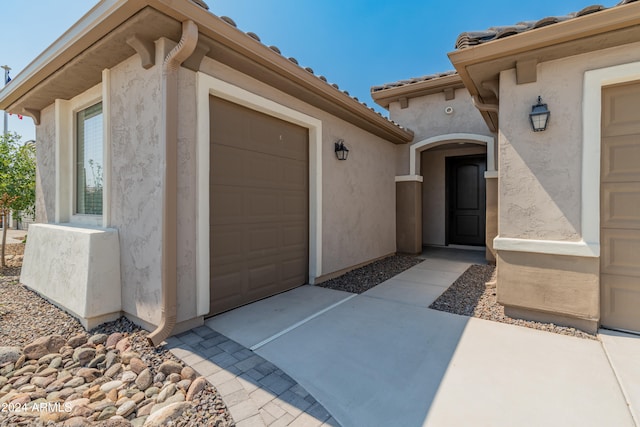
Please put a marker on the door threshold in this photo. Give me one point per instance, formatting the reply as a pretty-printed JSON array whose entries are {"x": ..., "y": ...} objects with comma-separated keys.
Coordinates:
[{"x": 467, "y": 247}]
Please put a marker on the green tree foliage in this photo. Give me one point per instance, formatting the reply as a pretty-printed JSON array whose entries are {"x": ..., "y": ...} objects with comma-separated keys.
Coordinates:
[{"x": 17, "y": 180}]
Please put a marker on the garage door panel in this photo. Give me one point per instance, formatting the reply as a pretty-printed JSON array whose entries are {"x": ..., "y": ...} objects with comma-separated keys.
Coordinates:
[
  {"x": 230, "y": 283},
  {"x": 227, "y": 166},
  {"x": 263, "y": 276},
  {"x": 621, "y": 205},
  {"x": 228, "y": 241},
  {"x": 259, "y": 206},
  {"x": 291, "y": 269},
  {"x": 295, "y": 173},
  {"x": 295, "y": 203},
  {"x": 620, "y": 297},
  {"x": 620, "y": 159},
  {"x": 621, "y": 114},
  {"x": 621, "y": 253},
  {"x": 228, "y": 206},
  {"x": 262, "y": 204},
  {"x": 293, "y": 236},
  {"x": 262, "y": 170},
  {"x": 263, "y": 240}
]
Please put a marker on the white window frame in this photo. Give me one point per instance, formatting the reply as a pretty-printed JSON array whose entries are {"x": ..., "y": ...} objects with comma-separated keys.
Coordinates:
[{"x": 65, "y": 117}]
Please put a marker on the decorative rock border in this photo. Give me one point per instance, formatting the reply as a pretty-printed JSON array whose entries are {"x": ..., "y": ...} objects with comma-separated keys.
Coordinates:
[{"x": 88, "y": 380}]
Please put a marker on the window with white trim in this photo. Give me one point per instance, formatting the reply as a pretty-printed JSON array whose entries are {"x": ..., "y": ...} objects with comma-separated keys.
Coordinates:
[
  {"x": 89, "y": 164},
  {"x": 83, "y": 157}
]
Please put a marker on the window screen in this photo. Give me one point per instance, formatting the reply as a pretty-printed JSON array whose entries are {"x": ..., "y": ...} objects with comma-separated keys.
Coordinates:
[{"x": 89, "y": 162}]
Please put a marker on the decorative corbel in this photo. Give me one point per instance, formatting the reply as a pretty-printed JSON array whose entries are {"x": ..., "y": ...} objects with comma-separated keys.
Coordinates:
[
  {"x": 33, "y": 113},
  {"x": 194, "y": 61},
  {"x": 449, "y": 94},
  {"x": 404, "y": 102},
  {"x": 493, "y": 86},
  {"x": 527, "y": 71},
  {"x": 145, "y": 49}
]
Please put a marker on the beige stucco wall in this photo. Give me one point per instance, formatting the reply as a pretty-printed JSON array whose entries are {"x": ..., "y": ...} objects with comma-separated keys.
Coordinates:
[
  {"x": 552, "y": 288},
  {"x": 358, "y": 195},
  {"x": 434, "y": 190},
  {"x": 547, "y": 164},
  {"x": 358, "y": 210},
  {"x": 137, "y": 159},
  {"x": 426, "y": 117},
  {"x": 540, "y": 190},
  {"x": 46, "y": 166}
]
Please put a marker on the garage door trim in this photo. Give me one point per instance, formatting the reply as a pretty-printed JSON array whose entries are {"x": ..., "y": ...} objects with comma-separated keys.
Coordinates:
[{"x": 207, "y": 86}]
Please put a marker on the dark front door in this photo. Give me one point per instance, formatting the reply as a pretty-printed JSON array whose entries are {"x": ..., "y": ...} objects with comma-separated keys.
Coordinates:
[{"x": 466, "y": 200}]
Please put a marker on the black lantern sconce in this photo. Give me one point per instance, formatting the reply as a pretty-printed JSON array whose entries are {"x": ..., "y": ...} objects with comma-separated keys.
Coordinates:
[
  {"x": 539, "y": 116},
  {"x": 342, "y": 152}
]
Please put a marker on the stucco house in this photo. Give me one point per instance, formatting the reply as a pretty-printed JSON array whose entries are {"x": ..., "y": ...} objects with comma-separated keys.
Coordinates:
[
  {"x": 562, "y": 205},
  {"x": 185, "y": 168}
]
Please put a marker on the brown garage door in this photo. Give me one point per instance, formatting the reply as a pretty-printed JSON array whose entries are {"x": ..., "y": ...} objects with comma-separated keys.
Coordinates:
[
  {"x": 620, "y": 207},
  {"x": 259, "y": 205}
]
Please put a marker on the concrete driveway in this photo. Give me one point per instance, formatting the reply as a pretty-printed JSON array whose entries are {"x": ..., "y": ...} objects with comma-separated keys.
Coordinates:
[{"x": 383, "y": 358}]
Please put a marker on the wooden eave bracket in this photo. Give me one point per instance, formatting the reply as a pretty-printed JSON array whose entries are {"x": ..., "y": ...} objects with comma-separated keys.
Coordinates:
[
  {"x": 527, "y": 71},
  {"x": 404, "y": 102},
  {"x": 145, "y": 49},
  {"x": 194, "y": 61}
]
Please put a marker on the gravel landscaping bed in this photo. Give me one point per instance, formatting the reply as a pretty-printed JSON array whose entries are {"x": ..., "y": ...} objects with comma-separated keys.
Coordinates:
[
  {"x": 364, "y": 278},
  {"x": 86, "y": 365},
  {"x": 470, "y": 296}
]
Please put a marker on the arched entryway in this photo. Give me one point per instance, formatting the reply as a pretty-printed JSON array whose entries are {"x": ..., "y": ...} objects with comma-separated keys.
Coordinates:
[{"x": 449, "y": 177}]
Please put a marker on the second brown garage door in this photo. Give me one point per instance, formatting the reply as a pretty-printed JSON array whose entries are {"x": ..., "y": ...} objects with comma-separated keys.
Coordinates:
[
  {"x": 620, "y": 207},
  {"x": 259, "y": 201}
]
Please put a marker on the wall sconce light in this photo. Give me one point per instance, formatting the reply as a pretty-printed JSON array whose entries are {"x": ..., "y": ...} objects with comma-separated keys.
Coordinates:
[
  {"x": 342, "y": 152},
  {"x": 539, "y": 116}
]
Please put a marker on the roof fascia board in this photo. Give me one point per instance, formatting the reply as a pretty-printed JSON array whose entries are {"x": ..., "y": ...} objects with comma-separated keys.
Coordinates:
[
  {"x": 97, "y": 22},
  {"x": 413, "y": 90}
]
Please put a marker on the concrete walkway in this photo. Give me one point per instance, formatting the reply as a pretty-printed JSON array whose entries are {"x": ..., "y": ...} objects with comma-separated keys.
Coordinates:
[{"x": 383, "y": 358}]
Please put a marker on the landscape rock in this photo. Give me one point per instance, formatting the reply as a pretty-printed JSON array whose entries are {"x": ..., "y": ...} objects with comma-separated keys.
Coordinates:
[
  {"x": 42, "y": 346},
  {"x": 9, "y": 354},
  {"x": 83, "y": 355},
  {"x": 98, "y": 339},
  {"x": 137, "y": 365},
  {"x": 170, "y": 367},
  {"x": 143, "y": 382},
  {"x": 126, "y": 408},
  {"x": 196, "y": 387},
  {"x": 166, "y": 415},
  {"x": 77, "y": 340},
  {"x": 123, "y": 345},
  {"x": 113, "y": 339},
  {"x": 114, "y": 370},
  {"x": 188, "y": 373}
]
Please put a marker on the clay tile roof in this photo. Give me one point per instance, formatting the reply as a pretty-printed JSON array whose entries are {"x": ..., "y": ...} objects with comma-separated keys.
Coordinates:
[
  {"x": 255, "y": 37},
  {"x": 412, "y": 81},
  {"x": 474, "y": 38}
]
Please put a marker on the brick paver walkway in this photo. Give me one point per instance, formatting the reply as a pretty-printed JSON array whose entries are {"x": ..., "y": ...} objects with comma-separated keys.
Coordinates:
[{"x": 256, "y": 392}]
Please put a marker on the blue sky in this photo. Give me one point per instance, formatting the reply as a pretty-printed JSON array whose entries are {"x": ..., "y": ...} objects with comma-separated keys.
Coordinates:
[{"x": 354, "y": 43}]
